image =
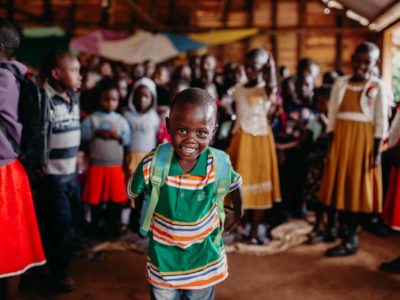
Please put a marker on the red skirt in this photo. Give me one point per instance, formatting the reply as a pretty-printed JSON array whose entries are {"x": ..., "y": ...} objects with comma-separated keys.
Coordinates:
[
  {"x": 20, "y": 244},
  {"x": 391, "y": 210},
  {"x": 105, "y": 184}
]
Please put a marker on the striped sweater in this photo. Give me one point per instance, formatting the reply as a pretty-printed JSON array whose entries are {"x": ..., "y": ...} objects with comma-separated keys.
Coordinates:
[{"x": 66, "y": 133}]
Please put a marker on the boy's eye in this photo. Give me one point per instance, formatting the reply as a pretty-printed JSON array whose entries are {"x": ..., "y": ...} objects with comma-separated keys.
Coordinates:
[
  {"x": 181, "y": 130},
  {"x": 202, "y": 133}
]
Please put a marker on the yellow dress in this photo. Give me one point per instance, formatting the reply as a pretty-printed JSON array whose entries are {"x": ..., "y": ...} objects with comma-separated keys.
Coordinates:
[
  {"x": 252, "y": 149},
  {"x": 350, "y": 180}
]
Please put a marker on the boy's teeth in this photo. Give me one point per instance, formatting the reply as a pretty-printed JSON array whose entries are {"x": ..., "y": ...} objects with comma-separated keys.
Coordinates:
[{"x": 188, "y": 150}]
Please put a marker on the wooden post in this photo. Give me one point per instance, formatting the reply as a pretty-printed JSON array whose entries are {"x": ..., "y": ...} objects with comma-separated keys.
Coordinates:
[
  {"x": 105, "y": 13},
  {"x": 10, "y": 10},
  {"x": 301, "y": 17},
  {"x": 250, "y": 20},
  {"x": 339, "y": 43},
  {"x": 47, "y": 12},
  {"x": 172, "y": 13},
  {"x": 387, "y": 72},
  {"x": 71, "y": 17},
  {"x": 274, "y": 26}
]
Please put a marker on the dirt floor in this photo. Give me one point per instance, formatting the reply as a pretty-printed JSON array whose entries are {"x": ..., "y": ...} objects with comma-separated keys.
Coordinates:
[{"x": 299, "y": 273}]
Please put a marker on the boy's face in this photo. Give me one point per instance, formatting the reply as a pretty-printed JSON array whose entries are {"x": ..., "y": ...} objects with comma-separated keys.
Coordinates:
[
  {"x": 363, "y": 64},
  {"x": 67, "y": 74},
  {"x": 109, "y": 100},
  {"x": 191, "y": 128}
]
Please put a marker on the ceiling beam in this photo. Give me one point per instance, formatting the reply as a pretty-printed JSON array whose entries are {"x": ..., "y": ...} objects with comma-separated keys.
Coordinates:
[
  {"x": 47, "y": 12},
  {"x": 225, "y": 14}
]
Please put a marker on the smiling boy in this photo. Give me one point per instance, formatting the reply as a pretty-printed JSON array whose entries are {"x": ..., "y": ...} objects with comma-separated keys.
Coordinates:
[{"x": 186, "y": 258}]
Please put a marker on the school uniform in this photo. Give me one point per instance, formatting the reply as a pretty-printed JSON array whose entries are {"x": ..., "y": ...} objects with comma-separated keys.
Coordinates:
[
  {"x": 182, "y": 253},
  {"x": 252, "y": 149},
  {"x": 357, "y": 115}
]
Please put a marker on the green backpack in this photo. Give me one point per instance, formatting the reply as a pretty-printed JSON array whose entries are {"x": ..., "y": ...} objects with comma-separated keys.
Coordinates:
[{"x": 161, "y": 164}]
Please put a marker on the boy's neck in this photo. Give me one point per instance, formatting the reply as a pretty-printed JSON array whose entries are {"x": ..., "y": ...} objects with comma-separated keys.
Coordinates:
[
  {"x": 187, "y": 166},
  {"x": 57, "y": 87},
  {"x": 60, "y": 90}
]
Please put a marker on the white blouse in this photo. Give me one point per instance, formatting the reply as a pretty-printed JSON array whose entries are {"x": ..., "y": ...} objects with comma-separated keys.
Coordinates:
[{"x": 252, "y": 106}]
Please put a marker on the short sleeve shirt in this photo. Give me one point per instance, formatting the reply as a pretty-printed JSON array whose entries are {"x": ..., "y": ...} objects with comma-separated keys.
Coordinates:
[{"x": 182, "y": 253}]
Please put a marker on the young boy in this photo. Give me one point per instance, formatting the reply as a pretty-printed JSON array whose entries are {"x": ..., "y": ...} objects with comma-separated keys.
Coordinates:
[
  {"x": 61, "y": 189},
  {"x": 184, "y": 260}
]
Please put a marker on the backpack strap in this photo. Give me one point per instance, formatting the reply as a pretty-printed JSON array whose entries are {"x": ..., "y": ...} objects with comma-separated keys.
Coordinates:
[
  {"x": 160, "y": 166},
  {"x": 223, "y": 172}
]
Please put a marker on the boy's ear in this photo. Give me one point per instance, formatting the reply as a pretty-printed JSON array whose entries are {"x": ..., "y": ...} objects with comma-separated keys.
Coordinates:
[
  {"x": 215, "y": 129},
  {"x": 55, "y": 73},
  {"x": 2, "y": 49}
]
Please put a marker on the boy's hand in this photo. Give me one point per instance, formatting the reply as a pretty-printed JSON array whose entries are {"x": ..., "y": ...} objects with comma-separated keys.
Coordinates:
[
  {"x": 235, "y": 214},
  {"x": 230, "y": 219}
]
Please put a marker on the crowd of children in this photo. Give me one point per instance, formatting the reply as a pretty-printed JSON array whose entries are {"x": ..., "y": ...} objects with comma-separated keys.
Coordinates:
[{"x": 294, "y": 146}]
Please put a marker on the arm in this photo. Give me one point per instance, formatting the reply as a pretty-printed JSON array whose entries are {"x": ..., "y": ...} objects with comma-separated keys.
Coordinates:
[
  {"x": 87, "y": 130},
  {"x": 332, "y": 109},
  {"x": 232, "y": 216},
  {"x": 380, "y": 122}
]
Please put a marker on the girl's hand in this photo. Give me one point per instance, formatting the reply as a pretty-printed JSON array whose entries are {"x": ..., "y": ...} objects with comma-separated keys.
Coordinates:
[{"x": 377, "y": 152}]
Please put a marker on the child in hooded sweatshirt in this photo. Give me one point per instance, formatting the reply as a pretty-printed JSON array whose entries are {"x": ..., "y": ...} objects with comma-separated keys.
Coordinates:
[{"x": 143, "y": 120}]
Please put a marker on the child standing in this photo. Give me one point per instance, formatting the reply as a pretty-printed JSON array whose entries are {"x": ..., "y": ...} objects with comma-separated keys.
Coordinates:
[
  {"x": 391, "y": 210},
  {"x": 252, "y": 148},
  {"x": 316, "y": 144},
  {"x": 21, "y": 247},
  {"x": 107, "y": 133},
  {"x": 357, "y": 122},
  {"x": 61, "y": 193},
  {"x": 143, "y": 120},
  {"x": 185, "y": 260}
]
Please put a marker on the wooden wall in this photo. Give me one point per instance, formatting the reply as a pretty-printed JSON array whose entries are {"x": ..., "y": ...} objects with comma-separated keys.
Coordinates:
[{"x": 290, "y": 29}]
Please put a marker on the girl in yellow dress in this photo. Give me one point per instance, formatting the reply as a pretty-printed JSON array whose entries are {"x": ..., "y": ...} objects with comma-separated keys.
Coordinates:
[
  {"x": 252, "y": 149},
  {"x": 357, "y": 122}
]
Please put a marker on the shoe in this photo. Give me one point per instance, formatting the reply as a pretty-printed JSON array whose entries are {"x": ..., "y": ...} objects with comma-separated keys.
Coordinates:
[
  {"x": 377, "y": 229},
  {"x": 315, "y": 237},
  {"x": 330, "y": 235},
  {"x": 346, "y": 248},
  {"x": 64, "y": 284},
  {"x": 391, "y": 266}
]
